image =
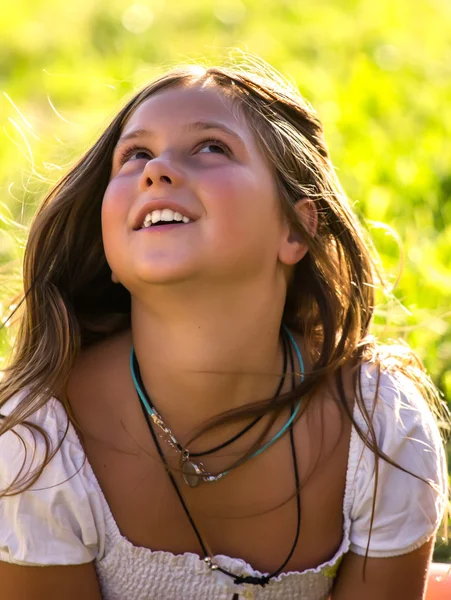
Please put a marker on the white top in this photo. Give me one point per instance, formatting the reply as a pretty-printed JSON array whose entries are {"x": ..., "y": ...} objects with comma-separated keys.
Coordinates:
[{"x": 64, "y": 518}]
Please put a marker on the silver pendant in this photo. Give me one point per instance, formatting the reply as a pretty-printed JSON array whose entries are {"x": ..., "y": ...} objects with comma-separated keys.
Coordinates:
[{"x": 192, "y": 475}]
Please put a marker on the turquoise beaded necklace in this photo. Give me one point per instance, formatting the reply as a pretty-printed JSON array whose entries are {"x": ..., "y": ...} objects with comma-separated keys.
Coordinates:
[{"x": 193, "y": 473}]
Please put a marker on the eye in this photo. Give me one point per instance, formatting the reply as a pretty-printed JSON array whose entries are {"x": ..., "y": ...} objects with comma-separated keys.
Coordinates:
[
  {"x": 215, "y": 146},
  {"x": 134, "y": 151}
]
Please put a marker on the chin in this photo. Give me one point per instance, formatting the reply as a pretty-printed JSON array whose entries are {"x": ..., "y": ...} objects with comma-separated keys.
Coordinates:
[{"x": 161, "y": 274}]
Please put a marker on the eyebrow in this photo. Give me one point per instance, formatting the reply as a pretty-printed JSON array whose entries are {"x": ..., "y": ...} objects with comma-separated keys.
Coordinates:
[{"x": 196, "y": 126}]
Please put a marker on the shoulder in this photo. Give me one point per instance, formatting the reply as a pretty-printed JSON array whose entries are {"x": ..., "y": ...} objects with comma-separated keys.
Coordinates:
[
  {"x": 394, "y": 412},
  {"x": 59, "y": 514},
  {"x": 397, "y": 466},
  {"x": 397, "y": 408},
  {"x": 97, "y": 390},
  {"x": 99, "y": 369},
  {"x": 16, "y": 443}
]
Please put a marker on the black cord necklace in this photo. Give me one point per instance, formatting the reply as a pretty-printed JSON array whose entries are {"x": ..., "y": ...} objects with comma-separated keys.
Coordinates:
[
  {"x": 194, "y": 474},
  {"x": 264, "y": 579},
  {"x": 137, "y": 374}
]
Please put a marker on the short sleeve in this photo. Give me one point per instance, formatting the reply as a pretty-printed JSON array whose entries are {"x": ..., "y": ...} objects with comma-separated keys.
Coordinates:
[
  {"x": 408, "y": 511},
  {"x": 58, "y": 521}
]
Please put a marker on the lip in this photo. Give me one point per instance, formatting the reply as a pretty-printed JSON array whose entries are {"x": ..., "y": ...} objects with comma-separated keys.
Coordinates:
[{"x": 159, "y": 204}]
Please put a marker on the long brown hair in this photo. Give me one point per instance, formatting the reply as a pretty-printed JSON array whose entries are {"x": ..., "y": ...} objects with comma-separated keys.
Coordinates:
[{"x": 70, "y": 301}]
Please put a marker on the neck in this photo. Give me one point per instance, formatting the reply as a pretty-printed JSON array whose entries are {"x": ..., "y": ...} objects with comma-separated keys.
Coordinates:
[{"x": 205, "y": 357}]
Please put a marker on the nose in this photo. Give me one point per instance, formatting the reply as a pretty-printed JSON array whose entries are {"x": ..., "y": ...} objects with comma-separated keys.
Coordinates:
[{"x": 160, "y": 172}]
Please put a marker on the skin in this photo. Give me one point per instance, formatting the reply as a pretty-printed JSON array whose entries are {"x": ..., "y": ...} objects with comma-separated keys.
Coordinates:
[
  {"x": 220, "y": 278},
  {"x": 207, "y": 301}
]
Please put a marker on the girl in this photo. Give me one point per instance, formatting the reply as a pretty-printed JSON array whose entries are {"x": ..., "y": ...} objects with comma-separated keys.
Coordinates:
[{"x": 212, "y": 417}]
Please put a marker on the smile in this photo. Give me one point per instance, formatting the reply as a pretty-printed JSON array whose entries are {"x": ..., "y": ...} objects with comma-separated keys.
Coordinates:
[{"x": 163, "y": 217}]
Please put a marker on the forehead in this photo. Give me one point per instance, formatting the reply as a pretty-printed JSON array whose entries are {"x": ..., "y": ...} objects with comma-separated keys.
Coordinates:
[{"x": 181, "y": 104}]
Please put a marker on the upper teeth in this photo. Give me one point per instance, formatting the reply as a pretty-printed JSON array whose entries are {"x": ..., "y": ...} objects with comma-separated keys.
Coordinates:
[{"x": 163, "y": 215}]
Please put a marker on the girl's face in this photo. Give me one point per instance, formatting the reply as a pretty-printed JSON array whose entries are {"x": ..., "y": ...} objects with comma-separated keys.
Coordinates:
[{"x": 188, "y": 149}]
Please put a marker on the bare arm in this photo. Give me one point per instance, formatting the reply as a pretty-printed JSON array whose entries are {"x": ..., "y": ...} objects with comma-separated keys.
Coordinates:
[
  {"x": 398, "y": 578},
  {"x": 72, "y": 582}
]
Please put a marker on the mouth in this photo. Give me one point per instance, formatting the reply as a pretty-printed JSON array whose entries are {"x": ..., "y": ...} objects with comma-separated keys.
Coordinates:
[
  {"x": 165, "y": 226},
  {"x": 159, "y": 217}
]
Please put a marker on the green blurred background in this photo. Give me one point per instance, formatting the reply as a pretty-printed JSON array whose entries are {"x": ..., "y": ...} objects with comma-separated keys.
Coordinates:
[{"x": 378, "y": 73}]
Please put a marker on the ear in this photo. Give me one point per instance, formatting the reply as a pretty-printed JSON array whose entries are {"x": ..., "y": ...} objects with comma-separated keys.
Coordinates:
[
  {"x": 114, "y": 278},
  {"x": 292, "y": 247}
]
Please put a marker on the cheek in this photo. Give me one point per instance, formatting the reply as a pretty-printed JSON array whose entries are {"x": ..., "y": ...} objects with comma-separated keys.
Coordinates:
[
  {"x": 114, "y": 218},
  {"x": 115, "y": 204},
  {"x": 241, "y": 205}
]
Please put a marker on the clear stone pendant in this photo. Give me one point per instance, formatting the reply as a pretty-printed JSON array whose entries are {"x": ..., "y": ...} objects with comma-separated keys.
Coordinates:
[{"x": 192, "y": 475}]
